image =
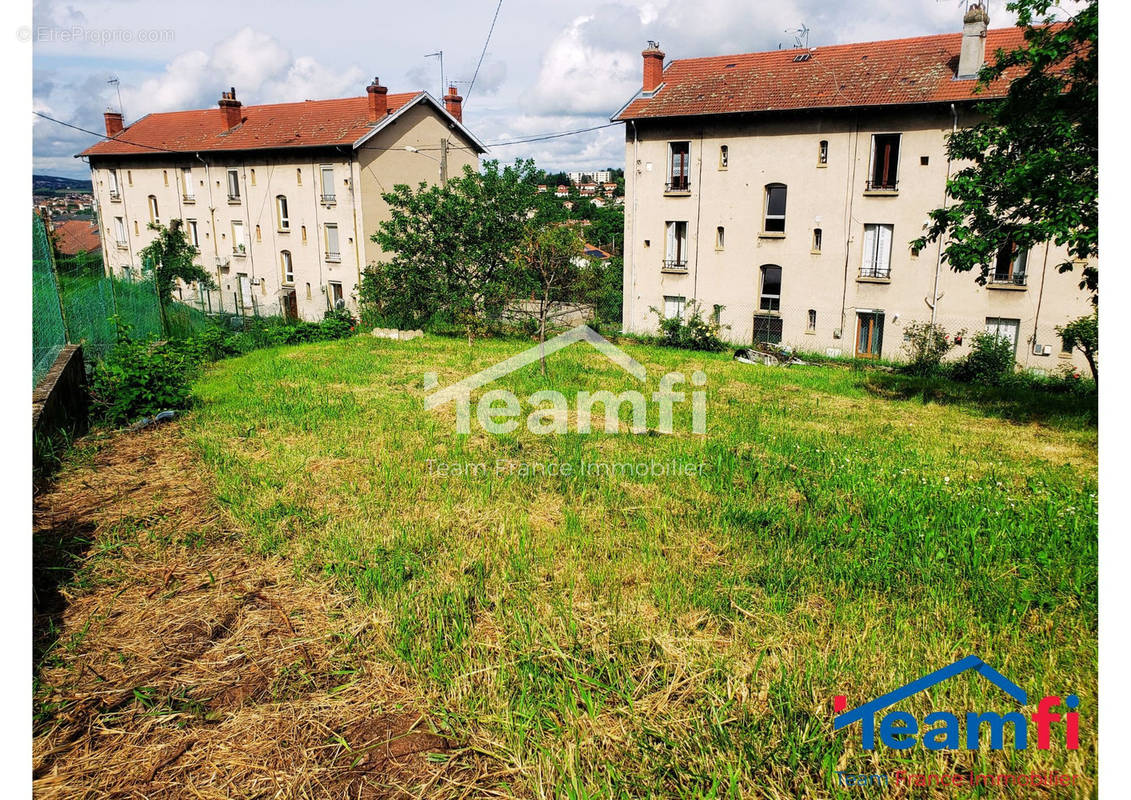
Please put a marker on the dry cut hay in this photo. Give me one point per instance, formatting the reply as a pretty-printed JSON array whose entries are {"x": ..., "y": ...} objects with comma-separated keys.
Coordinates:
[{"x": 175, "y": 663}]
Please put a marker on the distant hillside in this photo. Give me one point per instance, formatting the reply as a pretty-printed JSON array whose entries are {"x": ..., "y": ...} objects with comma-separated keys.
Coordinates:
[{"x": 49, "y": 183}]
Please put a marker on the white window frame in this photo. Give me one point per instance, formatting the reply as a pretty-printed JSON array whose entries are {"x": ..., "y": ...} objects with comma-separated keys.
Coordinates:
[
  {"x": 282, "y": 212},
  {"x": 675, "y": 250},
  {"x": 188, "y": 191},
  {"x": 331, "y": 287},
  {"x": 767, "y": 216},
  {"x": 154, "y": 210},
  {"x": 287, "y": 264},
  {"x": 194, "y": 233},
  {"x": 329, "y": 193},
  {"x": 239, "y": 238},
  {"x": 764, "y": 298},
  {"x": 115, "y": 190},
  {"x": 674, "y": 306},
  {"x": 875, "y": 259},
  {"x": 120, "y": 236},
  {"x": 233, "y": 185},
  {"x": 1005, "y": 328},
  {"x": 332, "y": 253}
]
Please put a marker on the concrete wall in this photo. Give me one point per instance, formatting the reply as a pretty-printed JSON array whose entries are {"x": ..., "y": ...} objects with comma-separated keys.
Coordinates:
[
  {"x": 60, "y": 401},
  {"x": 833, "y": 197}
]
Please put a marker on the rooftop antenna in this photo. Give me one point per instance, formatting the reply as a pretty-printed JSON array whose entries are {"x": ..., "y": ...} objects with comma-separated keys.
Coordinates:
[
  {"x": 440, "y": 54},
  {"x": 117, "y": 85},
  {"x": 800, "y": 36}
]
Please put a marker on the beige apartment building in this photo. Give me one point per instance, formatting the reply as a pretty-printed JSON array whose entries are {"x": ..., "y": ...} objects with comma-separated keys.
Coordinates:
[
  {"x": 279, "y": 200},
  {"x": 781, "y": 191}
]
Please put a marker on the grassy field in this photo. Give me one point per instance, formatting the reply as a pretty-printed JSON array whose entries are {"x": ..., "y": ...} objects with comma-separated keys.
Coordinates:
[{"x": 596, "y": 635}]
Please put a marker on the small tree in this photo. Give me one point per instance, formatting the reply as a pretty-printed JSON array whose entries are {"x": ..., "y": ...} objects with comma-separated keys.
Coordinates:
[
  {"x": 170, "y": 256},
  {"x": 1083, "y": 334},
  {"x": 926, "y": 344},
  {"x": 551, "y": 258}
]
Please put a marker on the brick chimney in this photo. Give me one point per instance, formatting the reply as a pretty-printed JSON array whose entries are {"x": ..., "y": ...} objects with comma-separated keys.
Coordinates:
[
  {"x": 973, "y": 56},
  {"x": 378, "y": 100},
  {"x": 230, "y": 109},
  {"x": 113, "y": 123},
  {"x": 454, "y": 103},
  {"x": 653, "y": 66}
]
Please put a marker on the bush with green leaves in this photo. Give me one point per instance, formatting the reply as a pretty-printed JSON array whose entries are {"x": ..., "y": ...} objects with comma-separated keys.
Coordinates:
[
  {"x": 990, "y": 361},
  {"x": 926, "y": 344},
  {"x": 691, "y": 331},
  {"x": 1083, "y": 334},
  {"x": 142, "y": 376}
]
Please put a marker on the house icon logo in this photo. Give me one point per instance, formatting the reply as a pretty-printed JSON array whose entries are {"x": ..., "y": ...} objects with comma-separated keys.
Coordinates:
[
  {"x": 901, "y": 730},
  {"x": 499, "y": 410}
]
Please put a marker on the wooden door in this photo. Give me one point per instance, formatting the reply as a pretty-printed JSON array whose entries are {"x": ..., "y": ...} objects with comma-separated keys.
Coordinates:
[{"x": 869, "y": 334}]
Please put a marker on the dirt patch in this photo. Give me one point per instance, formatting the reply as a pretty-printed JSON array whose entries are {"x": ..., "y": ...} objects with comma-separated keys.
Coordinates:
[{"x": 170, "y": 661}]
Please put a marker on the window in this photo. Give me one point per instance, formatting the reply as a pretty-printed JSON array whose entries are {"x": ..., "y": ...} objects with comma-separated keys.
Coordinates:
[
  {"x": 720, "y": 238},
  {"x": 774, "y": 221},
  {"x": 877, "y": 252},
  {"x": 239, "y": 245},
  {"x": 818, "y": 235},
  {"x": 811, "y": 321},
  {"x": 258, "y": 234},
  {"x": 673, "y": 307},
  {"x": 332, "y": 251},
  {"x": 885, "y": 163},
  {"x": 282, "y": 213},
  {"x": 298, "y": 176},
  {"x": 767, "y": 329},
  {"x": 328, "y": 185},
  {"x": 678, "y": 167},
  {"x": 120, "y": 231},
  {"x": 288, "y": 266},
  {"x": 233, "y": 186},
  {"x": 188, "y": 192},
  {"x": 717, "y": 314},
  {"x": 193, "y": 233},
  {"x": 924, "y": 160},
  {"x": 724, "y": 156},
  {"x": 1004, "y": 329},
  {"x": 135, "y": 227},
  {"x": 115, "y": 193},
  {"x": 869, "y": 334},
  {"x": 675, "y": 256},
  {"x": 252, "y": 175},
  {"x": 154, "y": 214},
  {"x": 823, "y": 152},
  {"x": 337, "y": 300},
  {"x": 770, "y": 297},
  {"x": 165, "y": 176},
  {"x": 1011, "y": 264},
  {"x": 130, "y": 177},
  {"x": 308, "y": 295}
]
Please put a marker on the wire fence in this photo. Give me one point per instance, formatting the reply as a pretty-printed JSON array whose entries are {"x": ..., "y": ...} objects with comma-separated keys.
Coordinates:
[{"x": 73, "y": 300}]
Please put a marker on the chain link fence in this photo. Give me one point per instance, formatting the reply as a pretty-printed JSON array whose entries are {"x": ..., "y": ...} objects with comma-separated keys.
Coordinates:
[{"x": 48, "y": 333}]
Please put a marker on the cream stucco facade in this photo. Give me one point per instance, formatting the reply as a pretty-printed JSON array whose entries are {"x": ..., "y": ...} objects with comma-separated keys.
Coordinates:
[
  {"x": 298, "y": 255},
  {"x": 833, "y": 297}
]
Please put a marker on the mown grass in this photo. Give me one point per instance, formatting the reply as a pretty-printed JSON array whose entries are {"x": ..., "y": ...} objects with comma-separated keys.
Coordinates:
[{"x": 659, "y": 636}]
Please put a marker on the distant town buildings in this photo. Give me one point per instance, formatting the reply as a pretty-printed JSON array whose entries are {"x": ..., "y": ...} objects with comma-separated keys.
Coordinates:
[{"x": 591, "y": 176}]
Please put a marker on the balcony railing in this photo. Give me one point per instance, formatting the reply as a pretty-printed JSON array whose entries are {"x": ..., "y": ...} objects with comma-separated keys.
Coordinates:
[
  {"x": 875, "y": 272},
  {"x": 332, "y": 256},
  {"x": 329, "y": 199},
  {"x": 115, "y": 194},
  {"x": 675, "y": 265},
  {"x": 881, "y": 186},
  {"x": 678, "y": 183},
  {"x": 1017, "y": 279}
]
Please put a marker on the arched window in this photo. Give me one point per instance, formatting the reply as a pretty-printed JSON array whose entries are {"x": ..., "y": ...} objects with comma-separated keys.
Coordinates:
[
  {"x": 770, "y": 297},
  {"x": 811, "y": 324},
  {"x": 298, "y": 175},
  {"x": 288, "y": 266},
  {"x": 818, "y": 235},
  {"x": 282, "y": 212},
  {"x": 258, "y": 234},
  {"x": 774, "y": 221},
  {"x": 724, "y": 156},
  {"x": 154, "y": 214},
  {"x": 823, "y": 152}
]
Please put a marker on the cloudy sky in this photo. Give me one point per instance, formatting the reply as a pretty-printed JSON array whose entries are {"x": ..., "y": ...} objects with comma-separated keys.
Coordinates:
[{"x": 551, "y": 66}]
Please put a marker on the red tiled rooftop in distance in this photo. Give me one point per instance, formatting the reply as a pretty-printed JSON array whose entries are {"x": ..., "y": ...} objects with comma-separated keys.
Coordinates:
[
  {"x": 304, "y": 124},
  {"x": 74, "y": 236},
  {"x": 893, "y": 72}
]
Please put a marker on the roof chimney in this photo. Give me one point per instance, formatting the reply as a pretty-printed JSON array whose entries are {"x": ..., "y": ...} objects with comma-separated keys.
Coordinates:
[
  {"x": 230, "y": 109},
  {"x": 454, "y": 103},
  {"x": 973, "y": 55},
  {"x": 113, "y": 123},
  {"x": 378, "y": 100},
  {"x": 653, "y": 66}
]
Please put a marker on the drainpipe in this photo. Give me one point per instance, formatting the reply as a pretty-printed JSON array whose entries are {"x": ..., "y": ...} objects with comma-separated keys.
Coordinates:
[
  {"x": 212, "y": 224},
  {"x": 630, "y": 296},
  {"x": 698, "y": 217},
  {"x": 938, "y": 258}
]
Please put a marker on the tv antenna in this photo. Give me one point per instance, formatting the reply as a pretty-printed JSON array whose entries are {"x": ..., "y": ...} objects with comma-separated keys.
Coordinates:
[
  {"x": 439, "y": 54},
  {"x": 118, "y": 86},
  {"x": 800, "y": 36}
]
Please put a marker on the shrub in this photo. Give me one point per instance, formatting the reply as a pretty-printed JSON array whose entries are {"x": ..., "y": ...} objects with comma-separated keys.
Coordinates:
[
  {"x": 139, "y": 377},
  {"x": 1083, "y": 334},
  {"x": 690, "y": 332},
  {"x": 926, "y": 343},
  {"x": 990, "y": 361}
]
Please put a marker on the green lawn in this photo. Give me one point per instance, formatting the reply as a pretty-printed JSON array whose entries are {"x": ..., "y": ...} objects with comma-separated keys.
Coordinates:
[{"x": 617, "y": 636}]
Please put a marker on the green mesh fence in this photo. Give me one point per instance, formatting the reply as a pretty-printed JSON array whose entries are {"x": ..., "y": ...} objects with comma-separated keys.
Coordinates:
[
  {"x": 93, "y": 305},
  {"x": 48, "y": 334}
]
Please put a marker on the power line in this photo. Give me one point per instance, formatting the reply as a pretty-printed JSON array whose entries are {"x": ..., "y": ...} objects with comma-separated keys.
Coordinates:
[
  {"x": 101, "y": 135},
  {"x": 484, "y": 53}
]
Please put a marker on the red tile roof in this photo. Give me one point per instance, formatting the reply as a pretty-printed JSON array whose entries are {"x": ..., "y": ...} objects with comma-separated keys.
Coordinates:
[
  {"x": 894, "y": 72},
  {"x": 74, "y": 236},
  {"x": 306, "y": 124}
]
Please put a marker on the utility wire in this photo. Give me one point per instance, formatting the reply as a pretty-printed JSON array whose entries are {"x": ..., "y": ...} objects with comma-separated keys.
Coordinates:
[{"x": 484, "y": 53}]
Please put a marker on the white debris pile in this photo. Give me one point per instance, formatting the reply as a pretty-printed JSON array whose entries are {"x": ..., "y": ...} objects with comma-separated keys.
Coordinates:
[{"x": 396, "y": 335}]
